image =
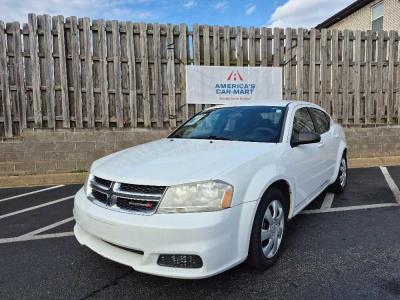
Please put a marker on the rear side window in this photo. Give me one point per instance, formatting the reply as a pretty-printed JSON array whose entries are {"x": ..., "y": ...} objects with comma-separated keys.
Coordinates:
[
  {"x": 302, "y": 123},
  {"x": 321, "y": 120}
]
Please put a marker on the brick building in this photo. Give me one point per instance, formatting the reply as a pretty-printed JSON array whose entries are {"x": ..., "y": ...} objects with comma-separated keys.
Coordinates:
[{"x": 366, "y": 15}]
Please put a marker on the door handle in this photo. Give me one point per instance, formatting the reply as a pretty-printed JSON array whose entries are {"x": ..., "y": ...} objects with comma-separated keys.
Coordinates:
[{"x": 320, "y": 145}]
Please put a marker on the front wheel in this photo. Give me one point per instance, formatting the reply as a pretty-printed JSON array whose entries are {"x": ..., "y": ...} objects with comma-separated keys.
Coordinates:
[
  {"x": 341, "y": 180},
  {"x": 269, "y": 230}
]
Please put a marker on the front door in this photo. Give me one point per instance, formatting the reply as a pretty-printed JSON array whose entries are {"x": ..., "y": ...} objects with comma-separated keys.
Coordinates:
[{"x": 304, "y": 163}]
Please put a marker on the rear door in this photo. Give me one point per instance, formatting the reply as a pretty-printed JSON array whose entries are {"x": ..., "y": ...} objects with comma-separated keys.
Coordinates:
[{"x": 327, "y": 148}]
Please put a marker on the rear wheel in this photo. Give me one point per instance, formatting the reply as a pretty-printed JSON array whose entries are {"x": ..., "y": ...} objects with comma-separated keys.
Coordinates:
[
  {"x": 341, "y": 180},
  {"x": 269, "y": 230}
]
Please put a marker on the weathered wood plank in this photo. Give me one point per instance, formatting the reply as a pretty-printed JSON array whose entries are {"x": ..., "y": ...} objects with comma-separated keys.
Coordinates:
[
  {"x": 357, "y": 77},
  {"x": 300, "y": 64},
  {"x": 76, "y": 71},
  {"x": 206, "y": 49},
  {"x": 183, "y": 54},
  {"x": 206, "y": 43},
  {"x": 119, "y": 105},
  {"x": 171, "y": 76},
  {"x": 35, "y": 70},
  {"x": 102, "y": 57},
  {"x": 288, "y": 64},
  {"x": 324, "y": 69},
  {"x": 379, "y": 80},
  {"x": 335, "y": 72},
  {"x": 393, "y": 49},
  {"x": 277, "y": 47},
  {"x": 5, "y": 87},
  {"x": 48, "y": 72},
  {"x": 239, "y": 46},
  {"x": 158, "y": 105},
  {"x": 216, "y": 45},
  {"x": 227, "y": 45},
  {"x": 345, "y": 77},
  {"x": 313, "y": 75},
  {"x": 369, "y": 109},
  {"x": 196, "y": 55},
  {"x": 145, "y": 74},
  {"x": 58, "y": 22},
  {"x": 19, "y": 75},
  {"x": 88, "y": 72},
  {"x": 264, "y": 46},
  {"x": 252, "y": 47},
  {"x": 132, "y": 74}
]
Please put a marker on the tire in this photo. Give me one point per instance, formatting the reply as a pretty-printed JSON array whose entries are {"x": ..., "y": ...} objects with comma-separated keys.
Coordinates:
[
  {"x": 341, "y": 180},
  {"x": 262, "y": 255}
]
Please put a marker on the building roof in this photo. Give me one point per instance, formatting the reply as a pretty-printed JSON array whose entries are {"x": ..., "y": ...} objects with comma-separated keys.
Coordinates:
[{"x": 343, "y": 13}]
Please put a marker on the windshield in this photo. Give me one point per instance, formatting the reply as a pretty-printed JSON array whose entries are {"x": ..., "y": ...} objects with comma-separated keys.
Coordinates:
[{"x": 241, "y": 123}]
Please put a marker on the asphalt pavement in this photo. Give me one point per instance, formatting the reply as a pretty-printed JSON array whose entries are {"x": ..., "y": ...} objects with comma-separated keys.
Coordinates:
[{"x": 342, "y": 246}]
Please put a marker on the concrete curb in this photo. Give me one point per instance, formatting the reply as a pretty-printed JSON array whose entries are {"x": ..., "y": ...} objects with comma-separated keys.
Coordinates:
[
  {"x": 374, "y": 162},
  {"x": 45, "y": 179},
  {"x": 79, "y": 178}
]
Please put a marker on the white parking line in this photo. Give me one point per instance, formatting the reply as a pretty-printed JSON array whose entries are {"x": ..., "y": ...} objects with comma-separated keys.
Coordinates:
[
  {"x": 36, "y": 237},
  {"x": 35, "y": 207},
  {"x": 33, "y": 192},
  {"x": 393, "y": 186},
  {"x": 48, "y": 227},
  {"x": 347, "y": 208},
  {"x": 328, "y": 201}
]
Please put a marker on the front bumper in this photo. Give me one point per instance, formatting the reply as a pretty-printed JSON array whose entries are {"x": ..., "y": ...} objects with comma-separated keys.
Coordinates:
[{"x": 220, "y": 238}]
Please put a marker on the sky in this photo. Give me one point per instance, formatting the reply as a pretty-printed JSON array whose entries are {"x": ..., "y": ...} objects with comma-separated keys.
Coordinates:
[{"x": 280, "y": 13}]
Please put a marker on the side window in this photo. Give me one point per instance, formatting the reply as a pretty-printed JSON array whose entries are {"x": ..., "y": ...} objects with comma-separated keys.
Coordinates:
[
  {"x": 302, "y": 123},
  {"x": 321, "y": 120}
]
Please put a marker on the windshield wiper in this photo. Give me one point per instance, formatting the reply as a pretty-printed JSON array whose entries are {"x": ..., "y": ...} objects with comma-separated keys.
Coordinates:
[{"x": 212, "y": 137}]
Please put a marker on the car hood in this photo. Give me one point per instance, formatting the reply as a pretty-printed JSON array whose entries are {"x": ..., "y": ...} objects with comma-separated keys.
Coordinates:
[{"x": 176, "y": 161}]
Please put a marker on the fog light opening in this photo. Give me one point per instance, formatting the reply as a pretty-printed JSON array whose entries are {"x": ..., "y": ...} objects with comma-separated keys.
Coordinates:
[{"x": 184, "y": 261}]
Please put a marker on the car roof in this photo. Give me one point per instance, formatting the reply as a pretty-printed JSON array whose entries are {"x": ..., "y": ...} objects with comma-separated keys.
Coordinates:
[{"x": 282, "y": 103}]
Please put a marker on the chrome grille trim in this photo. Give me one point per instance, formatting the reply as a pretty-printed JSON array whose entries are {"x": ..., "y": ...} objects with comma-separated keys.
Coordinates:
[{"x": 124, "y": 201}]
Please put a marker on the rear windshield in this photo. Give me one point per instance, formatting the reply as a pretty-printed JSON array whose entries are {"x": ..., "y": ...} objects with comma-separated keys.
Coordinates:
[{"x": 241, "y": 123}]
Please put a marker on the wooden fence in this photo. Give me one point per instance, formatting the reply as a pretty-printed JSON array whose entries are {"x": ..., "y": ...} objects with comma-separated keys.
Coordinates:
[{"x": 62, "y": 73}]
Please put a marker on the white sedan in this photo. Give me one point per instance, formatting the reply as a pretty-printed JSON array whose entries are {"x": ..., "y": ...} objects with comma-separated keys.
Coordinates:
[{"x": 216, "y": 192}]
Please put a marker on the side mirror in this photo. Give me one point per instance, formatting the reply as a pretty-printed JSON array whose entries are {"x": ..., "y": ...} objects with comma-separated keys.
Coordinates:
[{"x": 306, "y": 138}]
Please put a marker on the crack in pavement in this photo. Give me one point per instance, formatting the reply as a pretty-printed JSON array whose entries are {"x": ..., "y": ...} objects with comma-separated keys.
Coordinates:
[{"x": 113, "y": 282}]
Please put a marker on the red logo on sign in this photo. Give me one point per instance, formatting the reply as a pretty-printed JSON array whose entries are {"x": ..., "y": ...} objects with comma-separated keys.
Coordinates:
[{"x": 235, "y": 76}]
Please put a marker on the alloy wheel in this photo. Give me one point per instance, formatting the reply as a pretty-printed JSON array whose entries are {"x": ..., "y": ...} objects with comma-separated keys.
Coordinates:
[
  {"x": 343, "y": 173},
  {"x": 272, "y": 228}
]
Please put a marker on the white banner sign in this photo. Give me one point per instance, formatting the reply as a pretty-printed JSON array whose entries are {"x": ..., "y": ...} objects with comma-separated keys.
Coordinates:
[{"x": 225, "y": 85}]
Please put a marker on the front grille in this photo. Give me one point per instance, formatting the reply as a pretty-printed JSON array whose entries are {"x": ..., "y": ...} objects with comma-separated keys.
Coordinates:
[
  {"x": 124, "y": 197},
  {"x": 146, "y": 189}
]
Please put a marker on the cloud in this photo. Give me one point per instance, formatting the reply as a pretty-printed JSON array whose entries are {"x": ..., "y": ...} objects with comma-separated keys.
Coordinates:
[
  {"x": 250, "y": 9},
  {"x": 305, "y": 13},
  {"x": 189, "y": 4},
  {"x": 108, "y": 9},
  {"x": 222, "y": 5}
]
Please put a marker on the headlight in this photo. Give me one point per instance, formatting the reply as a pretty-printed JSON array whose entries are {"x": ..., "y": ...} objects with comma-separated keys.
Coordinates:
[
  {"x": 87, "y": 188},
  {"x": 197, "y": 197}
]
